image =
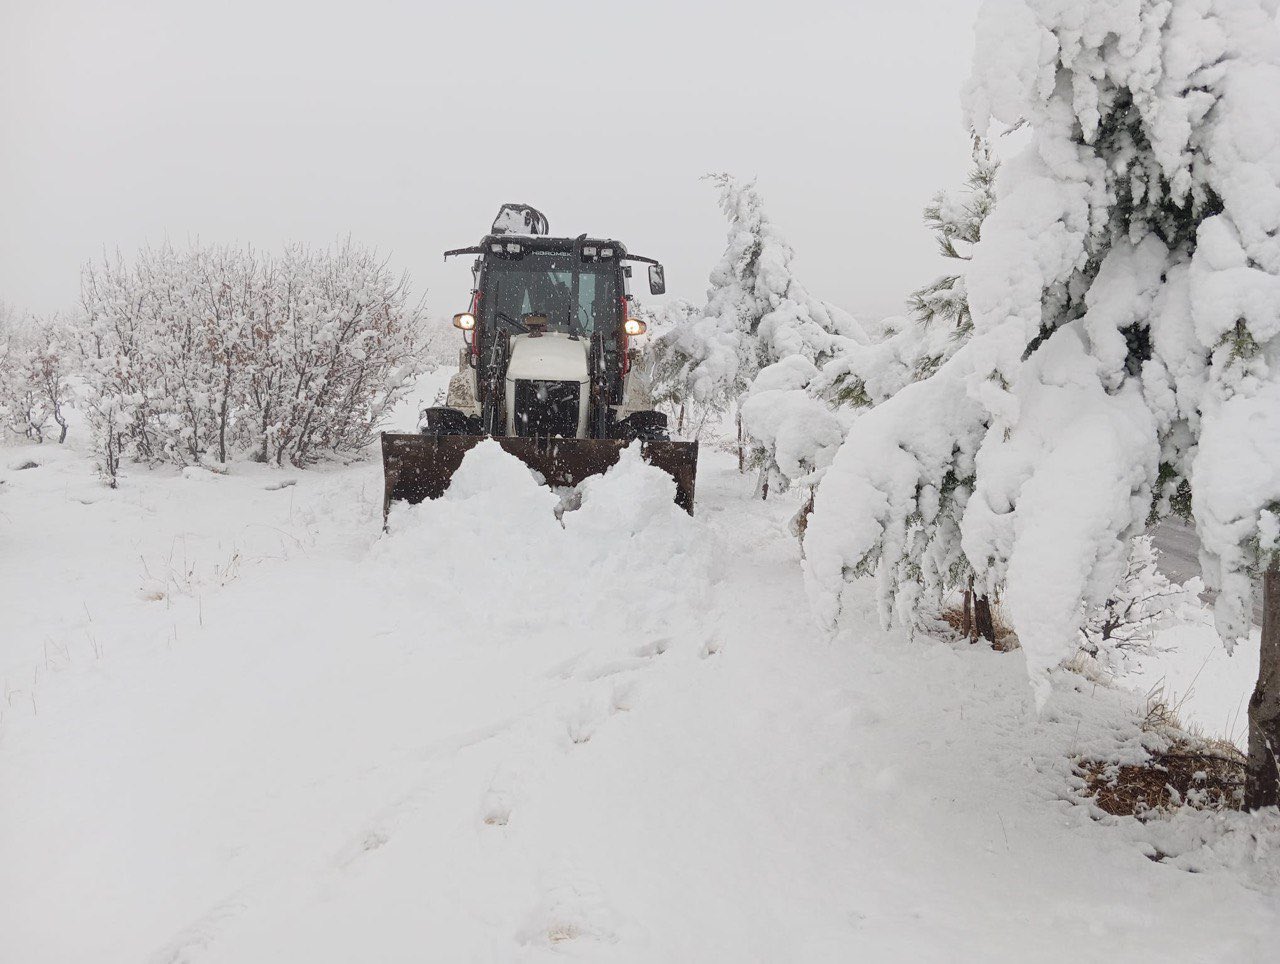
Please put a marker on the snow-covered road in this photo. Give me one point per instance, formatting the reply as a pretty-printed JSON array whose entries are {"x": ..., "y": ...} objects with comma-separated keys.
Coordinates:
[
  {"x": 241, "y": 724},
  {"x": 1180, "y": 557}
]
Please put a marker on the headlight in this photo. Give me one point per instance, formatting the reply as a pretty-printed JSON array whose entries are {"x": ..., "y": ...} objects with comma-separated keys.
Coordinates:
[
  {"x": 464, "y": 320},
  {"x": 634, "y": 326}
]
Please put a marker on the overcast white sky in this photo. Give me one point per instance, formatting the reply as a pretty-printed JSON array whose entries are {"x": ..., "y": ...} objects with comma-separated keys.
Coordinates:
[{"x": 406, "y": 124}]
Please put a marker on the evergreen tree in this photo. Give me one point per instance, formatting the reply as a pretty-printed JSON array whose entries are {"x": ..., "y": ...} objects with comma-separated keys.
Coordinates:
[
  {"x": 907, "y": 349},
  {"x": 941, "y": 308},
  {"x": 1125, "y": 350},
  {"x": 757, "y": 315}
]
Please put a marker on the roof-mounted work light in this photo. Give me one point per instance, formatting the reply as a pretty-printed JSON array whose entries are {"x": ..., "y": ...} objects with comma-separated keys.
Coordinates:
[
  {"x": 598, "y": 252},
  {"x": 507, "y": 249}
]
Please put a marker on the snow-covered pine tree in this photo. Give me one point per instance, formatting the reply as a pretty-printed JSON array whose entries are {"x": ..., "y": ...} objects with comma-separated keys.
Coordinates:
[
  {"x": 941, "y": 307},
  {"x": 712, "y": 358},
  {"x": 917, "y": 557},
  {"x": 664, "y": 363},
  {"x": 901, "y": 350},
  {"x": 757, "y": 314},
  {"x": 1125, "y": 298}
]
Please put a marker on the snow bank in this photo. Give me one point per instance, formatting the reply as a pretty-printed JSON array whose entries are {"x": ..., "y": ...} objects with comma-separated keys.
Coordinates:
[{"x": 497, "y": 531}]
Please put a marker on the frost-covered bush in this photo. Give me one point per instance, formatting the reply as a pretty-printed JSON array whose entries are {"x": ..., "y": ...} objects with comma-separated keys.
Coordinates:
[
  {"x": 1125, "y": 301},
  {"x": 36, "y": 364},
  {"x": 211, "y": 353},
  {"x": 1143, "y": 602}
]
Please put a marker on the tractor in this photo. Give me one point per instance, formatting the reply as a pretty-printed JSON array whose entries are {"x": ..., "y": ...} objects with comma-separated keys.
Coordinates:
[{"x": 546, "y": 367}]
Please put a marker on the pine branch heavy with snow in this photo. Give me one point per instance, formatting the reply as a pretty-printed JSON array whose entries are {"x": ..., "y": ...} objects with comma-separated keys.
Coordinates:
[
  {"x": 759, "y": 344},
  {"x": 758, "y": 315},
  {"x": 1125, "y": 298}
]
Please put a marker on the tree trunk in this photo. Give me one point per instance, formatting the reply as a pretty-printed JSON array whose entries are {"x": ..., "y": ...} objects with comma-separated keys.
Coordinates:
[
  {"x": 983, "y": 625},
  {"x": 800, "y": 522},
  {"x": 680, "y": 421},
  {"x": 742, "y": 463},
  {"x": 966, "y": 622},
  {"x": 1262, "y": 779}
]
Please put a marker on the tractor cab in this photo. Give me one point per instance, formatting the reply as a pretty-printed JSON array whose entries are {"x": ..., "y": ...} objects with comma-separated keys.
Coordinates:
[{"x": 551, "y": 311}]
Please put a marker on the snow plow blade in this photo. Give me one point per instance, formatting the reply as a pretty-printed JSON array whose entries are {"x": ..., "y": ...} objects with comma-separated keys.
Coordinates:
[{"x": 417, "y": 467}]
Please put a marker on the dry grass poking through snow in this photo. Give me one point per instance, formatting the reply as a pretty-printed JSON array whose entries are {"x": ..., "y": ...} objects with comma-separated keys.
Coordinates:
[
  {"x": 1006, "y": 639},
  {"x": 1195, "y": 771}
]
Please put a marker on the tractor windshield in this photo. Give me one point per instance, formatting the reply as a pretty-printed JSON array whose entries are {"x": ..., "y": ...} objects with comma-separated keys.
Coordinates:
[{"x": 541, "y": 283}]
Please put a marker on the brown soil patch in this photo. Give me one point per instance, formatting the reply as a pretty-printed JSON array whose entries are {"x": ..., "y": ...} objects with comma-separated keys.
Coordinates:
[{"x": 1206, "y": 778}]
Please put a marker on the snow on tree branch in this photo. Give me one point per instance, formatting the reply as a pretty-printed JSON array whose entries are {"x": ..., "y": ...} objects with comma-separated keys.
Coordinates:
[
  {"x": 214, "y": 352},
  {"x": 1143, "y": 602},
  {"x": 759, "y": 342},
  {"x": 35, "y": 371},
  {"x": 1125, "y": 300}
]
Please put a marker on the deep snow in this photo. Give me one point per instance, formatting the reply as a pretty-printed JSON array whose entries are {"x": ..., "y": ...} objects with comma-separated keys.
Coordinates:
[{"x": 241, "y": 724}]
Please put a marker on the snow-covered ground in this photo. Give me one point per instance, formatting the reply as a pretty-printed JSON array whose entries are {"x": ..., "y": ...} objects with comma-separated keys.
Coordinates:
[{"x": 240, "y": 723}]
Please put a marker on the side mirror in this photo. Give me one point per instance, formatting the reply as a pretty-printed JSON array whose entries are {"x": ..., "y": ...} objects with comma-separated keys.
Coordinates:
[{"x": 657, "y": 280}]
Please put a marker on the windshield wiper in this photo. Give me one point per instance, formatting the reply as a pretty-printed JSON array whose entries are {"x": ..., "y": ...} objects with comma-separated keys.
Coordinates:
[{"x": 506, "y": 319}]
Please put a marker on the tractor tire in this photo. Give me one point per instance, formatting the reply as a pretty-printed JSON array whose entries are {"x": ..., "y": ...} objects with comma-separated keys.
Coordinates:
[
  {"x": 645, "y": 427},
  {"x": 446, "y": 421}
]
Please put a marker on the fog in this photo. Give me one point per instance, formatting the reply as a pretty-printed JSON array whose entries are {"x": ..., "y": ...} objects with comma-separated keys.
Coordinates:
[{"x": 406, "y": 125}]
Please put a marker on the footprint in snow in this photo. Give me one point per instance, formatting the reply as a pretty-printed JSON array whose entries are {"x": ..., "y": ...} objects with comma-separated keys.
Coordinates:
[
  {"x": 581, "y": 723},
  {"x": 638, "y": 658},
  {"x": 573, "y": 909},
  {"x": 655, "y": 647},
  {"x": 585, "y": 720},
  {"x": 499, "y": 799}
]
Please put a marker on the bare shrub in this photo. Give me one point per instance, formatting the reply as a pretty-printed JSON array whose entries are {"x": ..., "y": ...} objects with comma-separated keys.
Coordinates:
[
  {"x": 35, "y": 368},
  {"x": 212, "y": 353}
]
